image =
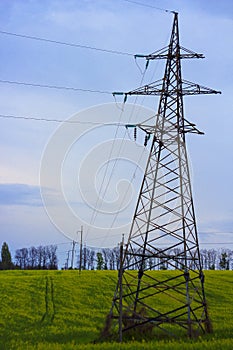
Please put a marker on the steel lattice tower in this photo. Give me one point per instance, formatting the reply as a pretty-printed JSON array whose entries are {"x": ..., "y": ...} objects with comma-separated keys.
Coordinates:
[{"x": 163, "y": 234}]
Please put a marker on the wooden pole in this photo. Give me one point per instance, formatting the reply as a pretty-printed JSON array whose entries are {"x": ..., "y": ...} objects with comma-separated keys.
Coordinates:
[{"x": 81, "y": 250}]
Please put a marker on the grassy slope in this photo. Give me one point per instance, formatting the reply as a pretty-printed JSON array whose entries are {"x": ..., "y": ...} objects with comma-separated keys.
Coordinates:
[{"x": 65, "y": 310}]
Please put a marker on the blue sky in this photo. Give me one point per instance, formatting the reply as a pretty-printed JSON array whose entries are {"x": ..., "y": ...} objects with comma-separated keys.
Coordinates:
[{"x": 205, "y": 27}]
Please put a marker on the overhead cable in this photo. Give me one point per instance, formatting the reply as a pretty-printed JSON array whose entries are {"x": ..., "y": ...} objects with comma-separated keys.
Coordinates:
[
  {"x": 54, "y": 87},
  {"x": 95, "y": 212},
  {"x": 80, "y": 46},
  {"x": 4, "y": 116},
  {"x": 147, "y": 5}
]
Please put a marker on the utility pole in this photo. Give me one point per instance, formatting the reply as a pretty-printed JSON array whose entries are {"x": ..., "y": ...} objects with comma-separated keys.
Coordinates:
[
  {"x": 81, "y": 249},
  {"x": 67, "y": 260},
  {"x": 72, "y": 257},
  {"x": 164, "y": 229},
  {"x": 84, "y": 257}
]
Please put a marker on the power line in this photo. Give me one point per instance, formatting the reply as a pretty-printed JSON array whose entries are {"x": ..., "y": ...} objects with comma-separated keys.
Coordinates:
[
  {"x": 98, "y": 248},
  {"x": 147, "y": 5},
  {"x": 4, "y": 116},
  {"x": 126, "y": 192},
  {"x": 215, "y": 243},
  {"x": 132, "y": 111},
  {"x": 80, "y": 46},
  {"x": 95, "y": 212},
  {"x": 215, "y": 232},
  {"x": 54, "y": 87},
  {"x": 104, "y": 237},
  {"x": 116, "y": 159}
]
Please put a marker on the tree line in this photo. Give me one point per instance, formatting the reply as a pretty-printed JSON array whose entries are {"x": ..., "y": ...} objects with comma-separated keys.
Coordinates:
[
  {"x": 33, "y": 258},
  {"x": 93, "y": 259},
  {"x": 108, "y": 259},
  {"x": 45, "y": 258}
]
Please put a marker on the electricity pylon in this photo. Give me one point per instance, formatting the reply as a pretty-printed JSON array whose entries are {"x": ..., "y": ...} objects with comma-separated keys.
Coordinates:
[{"x": 163, "y": 234}]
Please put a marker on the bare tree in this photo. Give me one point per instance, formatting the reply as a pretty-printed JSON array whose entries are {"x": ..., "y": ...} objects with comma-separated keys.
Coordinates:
[
  {"x": 106, "y": 257},
  {"x": 51, "y": 257},
  {"x": 212, "y": 257},
  {"x": 37, "y": 258},
  {"x": 32, "y": 257}
]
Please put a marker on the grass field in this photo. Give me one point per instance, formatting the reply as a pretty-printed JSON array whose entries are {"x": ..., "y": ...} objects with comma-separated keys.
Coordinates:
[{"x": 50, "y": 310}]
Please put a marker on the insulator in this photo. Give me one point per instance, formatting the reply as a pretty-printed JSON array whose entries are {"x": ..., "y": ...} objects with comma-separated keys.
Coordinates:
[
  {"x": 135, "y": 134},
  {"x": 145, "y": 142}
]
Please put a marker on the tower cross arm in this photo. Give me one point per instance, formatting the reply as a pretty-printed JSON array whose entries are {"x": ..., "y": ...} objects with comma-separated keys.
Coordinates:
[
  {"x": 164, "y": 53},
  {"x": 154, "y": 88},
  {"x": 189, "y": 88},
  {"x": 159, "y": 87}
]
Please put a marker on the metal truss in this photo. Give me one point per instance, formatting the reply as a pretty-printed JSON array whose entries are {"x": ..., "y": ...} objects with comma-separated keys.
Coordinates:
[{"x": 163, "y": 234}]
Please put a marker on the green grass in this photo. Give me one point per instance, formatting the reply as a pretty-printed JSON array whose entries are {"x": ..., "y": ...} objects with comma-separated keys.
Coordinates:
[{"x": 50, "y": 310}]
